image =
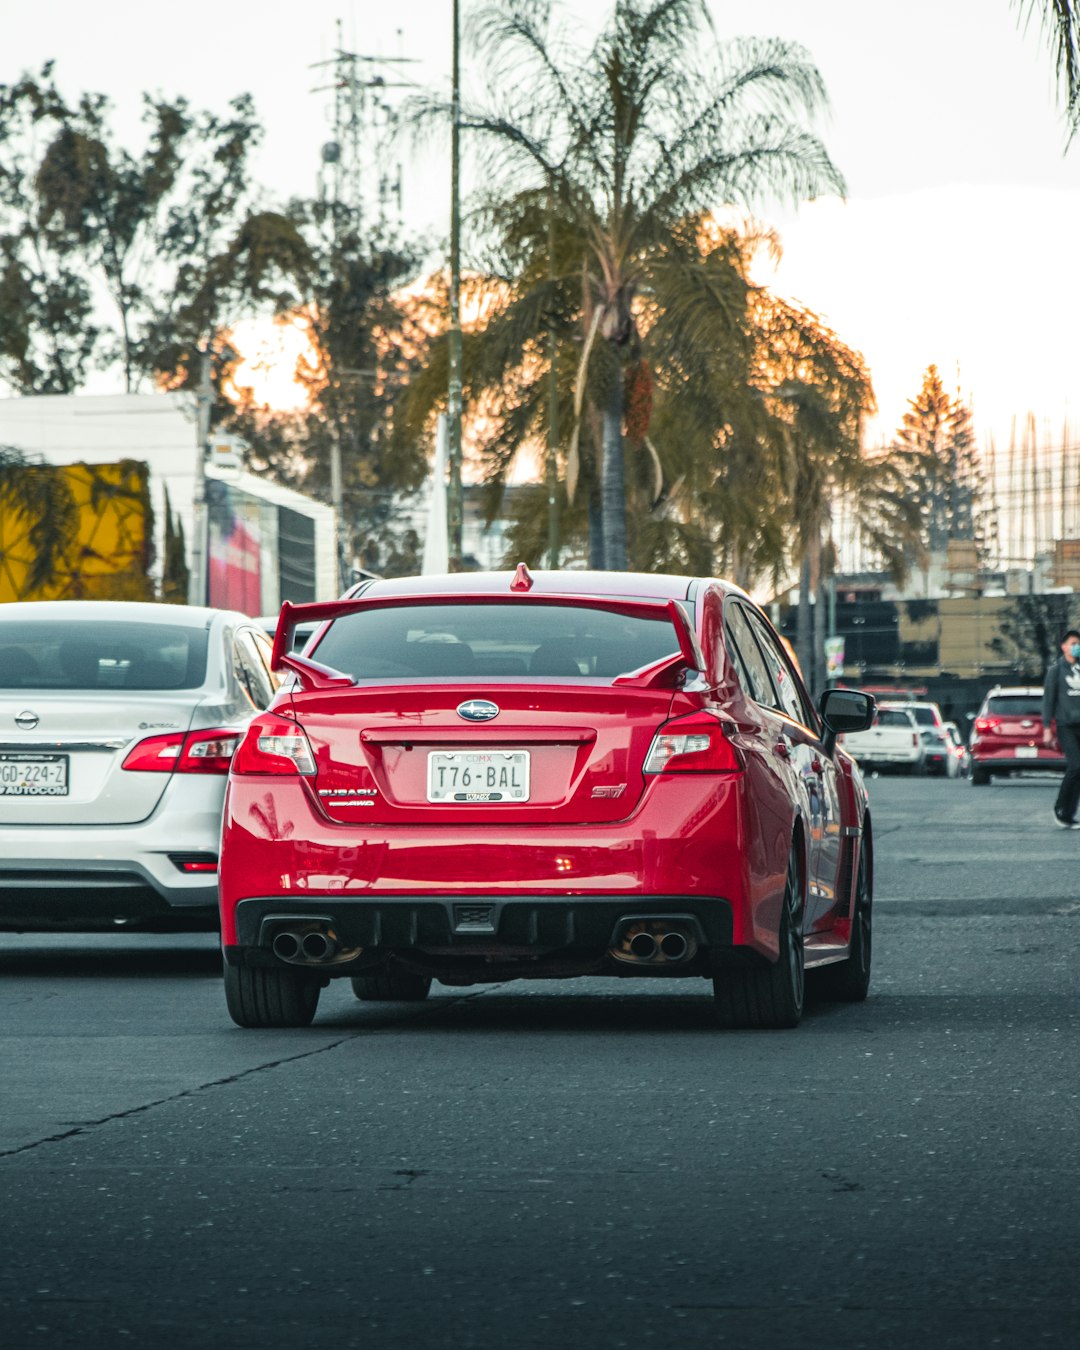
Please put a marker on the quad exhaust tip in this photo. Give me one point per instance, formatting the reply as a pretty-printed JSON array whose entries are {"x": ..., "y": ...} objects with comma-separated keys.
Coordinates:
[
  {"x": 674, "y": 946},
  {"x": 644, "y": 946}
]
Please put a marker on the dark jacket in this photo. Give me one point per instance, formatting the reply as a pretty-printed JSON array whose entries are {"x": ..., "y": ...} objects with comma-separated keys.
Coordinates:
[{"x": 1061, "y": 694}]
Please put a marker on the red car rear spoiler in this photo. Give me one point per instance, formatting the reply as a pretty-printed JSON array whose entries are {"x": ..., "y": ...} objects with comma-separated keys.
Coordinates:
[{"x": 318, "y": 676}]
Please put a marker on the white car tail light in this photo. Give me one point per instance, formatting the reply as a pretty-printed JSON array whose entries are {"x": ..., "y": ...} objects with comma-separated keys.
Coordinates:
[{"x": 207, "y": 751}]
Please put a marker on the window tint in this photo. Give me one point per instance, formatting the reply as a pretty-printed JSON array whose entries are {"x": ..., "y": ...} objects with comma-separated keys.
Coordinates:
[
  {"x": 493, "y": 642},
  {"x": 108, "y": 654},
  {"x": 791, "y": 702},
  {"x": 1015, "y": 705},
  {"x": 753, "y": 672}
]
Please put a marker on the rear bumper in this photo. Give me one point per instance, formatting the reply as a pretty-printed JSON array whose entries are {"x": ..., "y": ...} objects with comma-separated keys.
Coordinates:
[
  {"x": 541, "y": 921},
  {"x": 86, "y": 877},
  {"x": 888, "y": 756},
  {"x": 1007, "y": 760},
  {"x": 471, "y": 930}
]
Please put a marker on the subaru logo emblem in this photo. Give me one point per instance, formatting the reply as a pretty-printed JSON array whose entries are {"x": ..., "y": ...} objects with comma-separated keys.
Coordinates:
[
  {"x": 27, "y": 721},
  {"x": 478, "y": 710}
]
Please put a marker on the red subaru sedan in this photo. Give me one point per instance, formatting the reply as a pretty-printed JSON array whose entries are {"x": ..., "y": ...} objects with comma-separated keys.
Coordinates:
[{"x": 495, "y": 776}]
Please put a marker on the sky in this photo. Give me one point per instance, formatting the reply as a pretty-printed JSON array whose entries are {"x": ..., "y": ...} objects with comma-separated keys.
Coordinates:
[{"x": 955, "y": 245}]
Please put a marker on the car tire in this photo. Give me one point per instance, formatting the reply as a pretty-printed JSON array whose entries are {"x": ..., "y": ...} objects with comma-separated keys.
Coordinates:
[
  {"x": 270, "y": 998},
  {"x": 771, "y": 997},
  {"x": 391, "y": 987},
  {"x": 849, "y": 981},
  {"x": 979, "y": 777}
]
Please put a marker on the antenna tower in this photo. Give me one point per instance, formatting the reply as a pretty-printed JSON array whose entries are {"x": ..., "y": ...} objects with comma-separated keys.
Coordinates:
[{"x": 360, "y": 175}]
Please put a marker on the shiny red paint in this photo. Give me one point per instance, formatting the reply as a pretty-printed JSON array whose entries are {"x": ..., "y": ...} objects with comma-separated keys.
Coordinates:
[
  {"x": 683, "y": 837},
  {"x": 360, "y": 830}
]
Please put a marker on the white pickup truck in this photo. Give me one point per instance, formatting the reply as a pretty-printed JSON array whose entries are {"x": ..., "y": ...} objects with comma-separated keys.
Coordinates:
[{"x": 893, "y": 742}]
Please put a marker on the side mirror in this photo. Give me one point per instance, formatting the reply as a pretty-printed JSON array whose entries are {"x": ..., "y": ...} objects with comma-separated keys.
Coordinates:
[{"x": 845, "y": 710}]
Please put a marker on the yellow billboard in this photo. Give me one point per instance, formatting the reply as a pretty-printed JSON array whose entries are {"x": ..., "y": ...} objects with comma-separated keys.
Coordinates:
[{"x": 75, "y": 532}]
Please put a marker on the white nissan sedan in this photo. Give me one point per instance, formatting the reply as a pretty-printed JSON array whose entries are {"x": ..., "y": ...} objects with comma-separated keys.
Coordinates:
[{"x": 117, "y": 724}]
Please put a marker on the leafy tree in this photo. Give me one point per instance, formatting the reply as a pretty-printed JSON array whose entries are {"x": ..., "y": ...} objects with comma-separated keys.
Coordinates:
[
  {"x": 362, "y": 334},
  {"x": 172, "y": 234},
  {"x": 48, "y": 335},
  {"x": 1060, "y": 24},
  {"x": 631, "y": 139},
  {"x": 1029, "y": 631}
]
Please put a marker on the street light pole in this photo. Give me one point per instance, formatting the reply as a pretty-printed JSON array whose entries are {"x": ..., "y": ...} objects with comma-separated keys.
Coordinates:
[
  {"x": 552, "y": 467},
  {"x": 454, "y": 501},
  {"x": 197, "y": 589}
]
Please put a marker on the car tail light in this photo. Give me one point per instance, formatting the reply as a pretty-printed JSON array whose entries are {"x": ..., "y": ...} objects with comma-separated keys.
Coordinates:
[
  {"x": 274, "y": 745},
  {"x": 157, "y": 754},
  {"x": 987, "y": 723},
  {"x": 694, "y": 744},
  {"x": 196, "y": 752},
  {"x": 208, "y": 751},
  {"x": 914, "y": 738}
]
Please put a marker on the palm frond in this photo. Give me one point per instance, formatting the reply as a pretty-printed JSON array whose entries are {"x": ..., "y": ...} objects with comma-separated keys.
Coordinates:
[{"x": 1060, "y": 19}]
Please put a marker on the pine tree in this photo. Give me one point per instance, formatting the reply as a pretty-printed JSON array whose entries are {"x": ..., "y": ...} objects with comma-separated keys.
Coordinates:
[{"x": 935, "y": 448}]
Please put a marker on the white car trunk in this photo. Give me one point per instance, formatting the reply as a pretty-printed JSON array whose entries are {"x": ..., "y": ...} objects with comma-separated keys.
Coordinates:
[{"x": 61, "y": 755}]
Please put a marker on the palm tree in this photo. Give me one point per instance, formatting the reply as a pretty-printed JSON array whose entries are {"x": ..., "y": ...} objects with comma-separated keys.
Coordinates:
[
  {"x": 628, "y": 141},
  {"x": 1060, "y": 21}
]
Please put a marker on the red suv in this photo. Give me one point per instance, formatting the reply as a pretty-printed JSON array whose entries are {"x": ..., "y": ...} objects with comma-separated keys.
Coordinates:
[
  {"x": 487, "y": 777},
  {"x": 1008, "y": 736}
]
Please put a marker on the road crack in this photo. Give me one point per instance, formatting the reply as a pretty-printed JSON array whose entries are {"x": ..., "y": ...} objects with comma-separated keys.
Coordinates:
[
  {"x": 87, "y": 1126},
  {"x": 84, "y": 1127}
]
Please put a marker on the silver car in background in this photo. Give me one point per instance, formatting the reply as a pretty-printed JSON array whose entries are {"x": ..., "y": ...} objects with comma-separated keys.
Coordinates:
[{"x": 117, "y": 724}]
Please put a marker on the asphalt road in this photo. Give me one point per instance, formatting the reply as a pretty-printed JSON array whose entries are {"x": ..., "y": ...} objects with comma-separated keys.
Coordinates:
[{"x": 577, "y": 1164}]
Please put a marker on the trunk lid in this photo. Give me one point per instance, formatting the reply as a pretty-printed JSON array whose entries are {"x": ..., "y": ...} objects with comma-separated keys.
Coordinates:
[
  {"x": 70, "y": 747},
  {"x": 550, "y": 754}
]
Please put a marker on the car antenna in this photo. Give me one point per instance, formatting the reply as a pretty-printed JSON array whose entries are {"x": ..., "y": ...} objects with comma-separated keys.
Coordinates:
[{"x": 523, "y": 579}]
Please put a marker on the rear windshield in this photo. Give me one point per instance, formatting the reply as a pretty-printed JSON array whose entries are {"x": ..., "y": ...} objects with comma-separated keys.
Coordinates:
[
  {"x": 493, "y": 642},
  {"x": 925, "y": 714},
  {"x": 892, "y": 717},
  {"x": 1015, "y": 705},
  {"x": 47, "y": 654}
]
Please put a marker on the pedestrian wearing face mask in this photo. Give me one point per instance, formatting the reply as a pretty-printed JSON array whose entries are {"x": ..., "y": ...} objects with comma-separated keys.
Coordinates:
[{"x": 1061, "y": 713}]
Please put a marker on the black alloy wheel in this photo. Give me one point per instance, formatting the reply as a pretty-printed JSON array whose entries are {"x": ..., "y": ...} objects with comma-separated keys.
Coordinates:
[
  {"x": 393, "y": 986},
  {"x": 270, "y": 998},
  {"x": 849, "y": 981},
  {"x": 769, "y": 997}
]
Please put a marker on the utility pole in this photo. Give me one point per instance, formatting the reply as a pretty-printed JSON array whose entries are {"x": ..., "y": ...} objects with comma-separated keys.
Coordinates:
[
  {"x": 359, "y": 183},
  {"x": 337, "y": 500},
  {"x": 552, "y": 467},
  {"x": 200, "y": 531},
  {"x": 454, "y": 501}
]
